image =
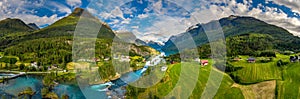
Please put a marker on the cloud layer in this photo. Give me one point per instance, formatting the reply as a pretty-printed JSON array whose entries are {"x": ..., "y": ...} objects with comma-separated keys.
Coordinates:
[
  {"x": 156, "y": 20},
  {"x": 159, "y": 20}
]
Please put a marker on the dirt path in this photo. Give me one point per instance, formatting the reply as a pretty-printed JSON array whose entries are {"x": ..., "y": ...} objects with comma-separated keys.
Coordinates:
[{"x": 262, "y": 90}]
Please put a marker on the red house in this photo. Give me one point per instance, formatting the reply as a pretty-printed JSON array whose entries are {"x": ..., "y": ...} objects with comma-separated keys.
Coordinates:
[{"x": 204, "y": 62}]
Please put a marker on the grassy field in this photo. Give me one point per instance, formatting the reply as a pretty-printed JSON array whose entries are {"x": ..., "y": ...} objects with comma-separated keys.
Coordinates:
[
  {"x": 289, "y": 88},
  {"x": 257, "y": 80},
  {"x": 262, "y": 90},
  {"x": 258, "y": 72},
  {"x": 171, "y": 78}
]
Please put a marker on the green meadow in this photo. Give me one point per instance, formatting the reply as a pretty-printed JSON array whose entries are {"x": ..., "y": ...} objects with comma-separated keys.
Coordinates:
[
  {"x": 289, "y": 87},
  {"x": 256, "y": 80},
  {"x": 168, "y": 83}
]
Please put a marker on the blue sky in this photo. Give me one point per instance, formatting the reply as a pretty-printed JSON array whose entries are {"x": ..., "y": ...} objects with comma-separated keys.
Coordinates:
[{"x": 155, "y": 19}]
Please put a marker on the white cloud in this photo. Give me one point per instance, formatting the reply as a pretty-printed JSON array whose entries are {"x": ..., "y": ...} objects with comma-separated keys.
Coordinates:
[
  {"x": 141, "y": 16},
  {"x": 25, "y": 10},
  {"x": 117, "y": 13},
  {"x": 272, "y": 15},
  {"x": 165, "y": 26},
  {"x": 162, "y": 28},
  {"x": 74, "y": 3},
  {"x": 293, "y": 4},
  {"x": 171, "y": 26},
  {"x": 134, "y": 27}
]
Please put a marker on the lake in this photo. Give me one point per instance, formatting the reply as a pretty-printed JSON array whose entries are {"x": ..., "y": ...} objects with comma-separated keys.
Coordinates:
[{"x": 14, "y": 86}]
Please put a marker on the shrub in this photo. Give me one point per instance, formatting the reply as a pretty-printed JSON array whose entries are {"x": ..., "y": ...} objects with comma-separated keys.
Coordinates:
[{"x": 280, "y": 63}]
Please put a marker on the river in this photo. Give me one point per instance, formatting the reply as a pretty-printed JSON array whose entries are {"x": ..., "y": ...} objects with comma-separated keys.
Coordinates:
[
  {"x": 115, "y": 87},
  {"x": 14, "y": 86}
]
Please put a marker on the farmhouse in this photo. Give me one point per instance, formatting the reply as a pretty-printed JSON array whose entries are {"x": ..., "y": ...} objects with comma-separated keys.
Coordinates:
[
  {"x": 116, "y": 56},
  {"x": 164, "y": 68},
  {"x": 107, "y": 59},
  {"x": 197, "y": 60},
  {"x": 172, "y": 62},
  {"x": 96, "y": 59},
  {"x": 251, "y": 60},
  {"x": 204, "y": 62},
  {"x": 34, "y": 64},
  {"x": 293, "y": 58},
  {"x": 125, "y": 58},
  {"x": 236, "y": 59}
]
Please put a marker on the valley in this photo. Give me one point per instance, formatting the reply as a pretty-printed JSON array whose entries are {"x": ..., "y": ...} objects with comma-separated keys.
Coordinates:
[{"x": 260, "y": 61}]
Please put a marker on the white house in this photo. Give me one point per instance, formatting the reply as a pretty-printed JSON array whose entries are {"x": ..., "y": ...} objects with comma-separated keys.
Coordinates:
[
  {"x": 106, "y": 59},
  {"x": 116, "y": 56},
  {"x": 34, "y": 64},
  {"x": 164, "y": 68},
  {"x": 125, "y": 58},
  {"x": 197, "y": 60}
]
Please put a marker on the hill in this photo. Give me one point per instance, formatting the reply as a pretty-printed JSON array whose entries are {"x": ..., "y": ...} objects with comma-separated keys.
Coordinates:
[
  {"x": 13, "y": 26},
  {"x": 11, "y": 29},
  {"x": 63, "y": 27},
  {"x": 53, "y": 44},
  {"x": 234, "y": 26}
]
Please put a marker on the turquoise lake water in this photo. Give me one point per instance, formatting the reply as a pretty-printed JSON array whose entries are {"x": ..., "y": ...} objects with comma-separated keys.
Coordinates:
[{"x": 14, "y": 86}]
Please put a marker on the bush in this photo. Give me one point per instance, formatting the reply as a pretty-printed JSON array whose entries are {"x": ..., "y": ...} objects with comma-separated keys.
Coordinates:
[
  {"x": 280, "y": 63},
  {"x": 22, "y": 66},
  {"x": 267, "y": 54},
  {"x": 266, "y": 60}
]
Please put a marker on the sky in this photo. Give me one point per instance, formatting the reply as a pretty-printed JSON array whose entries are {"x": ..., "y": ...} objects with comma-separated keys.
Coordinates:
[{"x": 155, "y": 20}]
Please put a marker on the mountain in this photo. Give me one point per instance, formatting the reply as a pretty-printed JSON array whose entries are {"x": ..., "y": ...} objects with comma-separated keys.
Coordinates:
[
  {"x": 154, "y": 45},
  {"x": 33, "y": 26},
  {"x": 53, "y": 44},
  {"x": 13, "y": 26},
  {"x": 66, "y": 26},
  {"x": 140, "y": 42},
  {"x": 63, "y": 27},
  {"x": 235, "y": 26}
]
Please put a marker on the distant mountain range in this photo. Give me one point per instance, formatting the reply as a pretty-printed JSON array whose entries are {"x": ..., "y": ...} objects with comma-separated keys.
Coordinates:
[
  {"x": 33, "y": 26},
  {"x": 15, "y": 32},
  {"x": 235, "y": 26}
]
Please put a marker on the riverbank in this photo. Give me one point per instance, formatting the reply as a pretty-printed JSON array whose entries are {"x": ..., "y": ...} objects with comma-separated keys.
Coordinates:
[{"x": 20, "y": 72}]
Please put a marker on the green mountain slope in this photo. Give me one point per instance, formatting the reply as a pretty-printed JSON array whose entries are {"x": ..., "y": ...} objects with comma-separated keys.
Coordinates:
[
  {"x": 11, "y": 29},
  {"x": 63, "y": 27},
  {"x": 53, "y": 44},
  {"x": 13, "y": 26},
  {"x": 236, "y": 25}
]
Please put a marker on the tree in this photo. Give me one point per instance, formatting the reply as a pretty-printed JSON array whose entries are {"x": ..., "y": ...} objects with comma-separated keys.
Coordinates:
[
  {"x": 44, "y": 91},
  {"x": 51, "y": 95},
  {"x": 27, "y": 92},
  {"x": 22, "y": 66},
  {"x": 64, "y": 96}
]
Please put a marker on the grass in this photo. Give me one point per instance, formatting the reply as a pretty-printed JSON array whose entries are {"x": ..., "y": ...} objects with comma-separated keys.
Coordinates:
[
  {"x": 257, "y": 72},
  {"x": 289, "y": 87},
  {"x": 257, "y": 80},
  {"x": 171, "y": 78},
  {"x": 262, "y": 90}
]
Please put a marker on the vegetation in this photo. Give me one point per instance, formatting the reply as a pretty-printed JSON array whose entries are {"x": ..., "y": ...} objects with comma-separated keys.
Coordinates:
[
  {"x": 172, "y": 76},
  {"x": 238, "y": 29},
  {"x": 289, "y": 86},
  {"x": 246, "y": 37},
  {"x": 27, "y": 92}
]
